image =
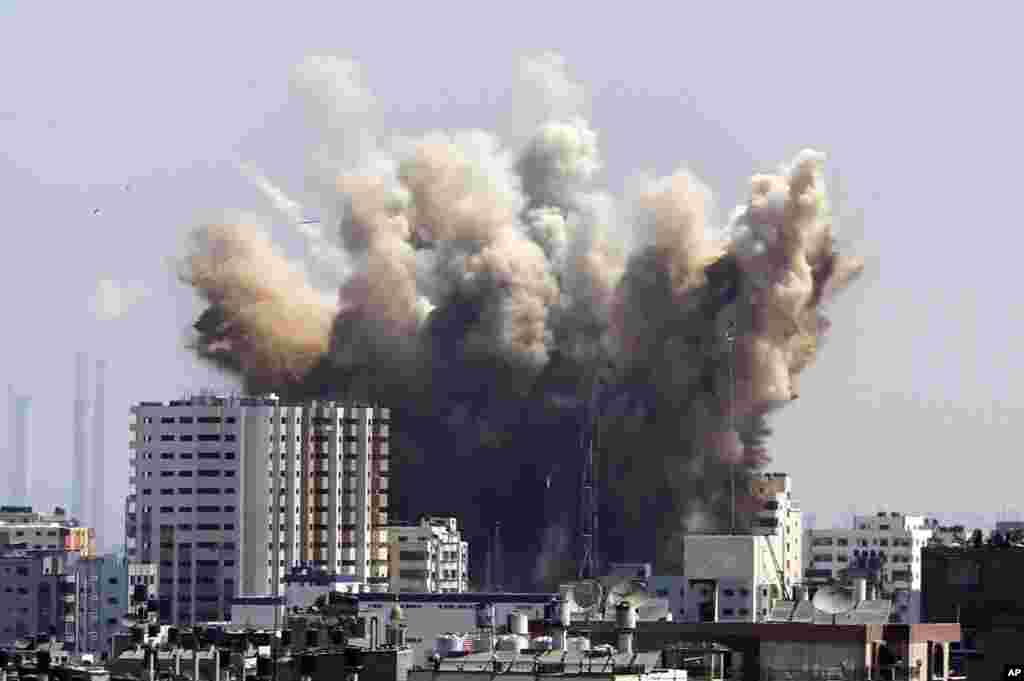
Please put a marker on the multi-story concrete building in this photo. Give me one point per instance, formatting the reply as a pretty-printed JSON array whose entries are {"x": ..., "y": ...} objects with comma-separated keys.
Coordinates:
[
  {"x": 228, "y": 494},
  {"x": 780, "y": 520},
  {"x": 102, "y": 601},
  {"x": 893, "y": 540},
  {"x": 21, "y": 527},
  {"x": 428, "y": 556},
  {"x": 37, "y": 595},
  {"x": 729, "y": 578}
]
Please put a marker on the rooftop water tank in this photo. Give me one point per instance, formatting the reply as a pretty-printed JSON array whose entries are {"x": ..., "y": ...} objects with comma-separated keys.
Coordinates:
[{"x": 517, "y": 623}]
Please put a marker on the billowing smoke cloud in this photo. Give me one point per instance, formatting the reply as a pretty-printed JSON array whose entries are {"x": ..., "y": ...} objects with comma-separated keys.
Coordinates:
[
  {"x": 488, "y": 288},
  {"x": 112, "y": 299}
]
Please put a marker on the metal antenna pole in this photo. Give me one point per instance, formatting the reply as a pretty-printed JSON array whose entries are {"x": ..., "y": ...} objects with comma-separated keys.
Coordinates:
[{"x": 730, "y": 340}]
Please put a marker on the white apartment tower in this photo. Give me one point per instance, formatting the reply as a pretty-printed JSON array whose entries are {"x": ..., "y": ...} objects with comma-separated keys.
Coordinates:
[
  {"x": 428, "y": 556},
  {"x": 228, "y": 494}
]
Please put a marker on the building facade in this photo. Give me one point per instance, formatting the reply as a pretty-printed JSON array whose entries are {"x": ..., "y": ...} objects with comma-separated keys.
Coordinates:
[
  {"x": 781, "y": 520},
  {"x": 893, "y": 539},
  {"x": 428, "y": 556},
  {"x": 228, "y": 494},
  {"x": 103, "y": 601},
  {"x": 23, "y": 528},
  {"x": 38, "y": 595}
]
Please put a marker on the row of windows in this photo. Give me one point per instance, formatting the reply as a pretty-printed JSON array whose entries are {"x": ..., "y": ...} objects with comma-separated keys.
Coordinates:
[
  {"x": 189, "y": 419},
  {"x": 202, "y": 473},
  {"x": 205, "y": 437},
  {"x": 186, "y": 546},
  {"x": 199, "y": 563},
  {"x": 188, "y": 490},
  {"x": 189, "y": 509},
  {"x": 843, "y": 541},
  {"x": 229, "y": 527},
  {"x": 148, "y": 456}
]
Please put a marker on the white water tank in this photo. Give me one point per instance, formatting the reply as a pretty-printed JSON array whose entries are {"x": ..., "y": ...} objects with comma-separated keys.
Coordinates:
[
  {"x": 579, "y": 644},
  {"x": 511, "y": 643},
  {"x": 517, "y": 623},
  {"x": 449, "y": 644},
  {"x": 542, "y": 643}
]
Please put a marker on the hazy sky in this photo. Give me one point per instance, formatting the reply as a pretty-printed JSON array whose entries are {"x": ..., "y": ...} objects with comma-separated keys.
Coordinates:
[{"x": 142, "y": 110}]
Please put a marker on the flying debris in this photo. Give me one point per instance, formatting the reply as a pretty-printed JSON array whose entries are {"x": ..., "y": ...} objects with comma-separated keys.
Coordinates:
[
  {"x": 482, "y": 288},
  {"x": 95, "y": 211}
]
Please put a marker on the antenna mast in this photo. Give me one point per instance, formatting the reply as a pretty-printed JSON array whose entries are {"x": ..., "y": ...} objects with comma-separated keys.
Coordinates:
[{"x": 587, "y": 568}]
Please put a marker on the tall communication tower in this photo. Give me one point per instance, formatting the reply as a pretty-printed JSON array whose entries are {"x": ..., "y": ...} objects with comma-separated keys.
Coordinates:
[{"x": 587, "y": 567}]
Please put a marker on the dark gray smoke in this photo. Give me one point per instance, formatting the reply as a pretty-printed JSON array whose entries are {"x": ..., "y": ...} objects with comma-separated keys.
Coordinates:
[{"x": 482, "y": 291}]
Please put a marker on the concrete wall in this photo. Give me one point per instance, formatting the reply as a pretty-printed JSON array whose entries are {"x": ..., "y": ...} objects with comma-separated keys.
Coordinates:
[{"x": 779, "y": 657}]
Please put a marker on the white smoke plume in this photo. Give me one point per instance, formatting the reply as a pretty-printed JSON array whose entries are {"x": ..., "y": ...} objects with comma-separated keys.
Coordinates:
[
  {"x": 482, "y": 275},
  {"x": 112, "y": 299}
]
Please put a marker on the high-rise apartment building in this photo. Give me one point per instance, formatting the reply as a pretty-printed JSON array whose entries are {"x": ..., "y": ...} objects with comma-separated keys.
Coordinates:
[
  {"x": 428, "y": 556},
  {"x": 228, "y": 494}
]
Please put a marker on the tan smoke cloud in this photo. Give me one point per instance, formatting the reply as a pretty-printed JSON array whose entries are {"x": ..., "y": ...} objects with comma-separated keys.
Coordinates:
[{"x": 276, "y": 325}]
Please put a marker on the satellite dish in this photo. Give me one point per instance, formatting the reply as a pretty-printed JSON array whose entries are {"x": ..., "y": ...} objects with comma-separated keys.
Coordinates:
[
  {"x": 587, "y": 594},
  {"x": 834, "y": 600},
  {"x": 633, "y": 592}
]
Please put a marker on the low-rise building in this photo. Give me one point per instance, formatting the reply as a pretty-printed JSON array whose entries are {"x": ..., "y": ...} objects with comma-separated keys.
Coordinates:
[
  {"x": 23, "y": 528},
  {"x": 428, "y": 556},
  {"x": 730, "y": 578}
]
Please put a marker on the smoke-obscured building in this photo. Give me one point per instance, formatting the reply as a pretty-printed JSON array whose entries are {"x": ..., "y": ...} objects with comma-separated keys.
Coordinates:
[
  {"x": 893, "y": 539},
  {"x": 22, "y": 527},
  {"x": 428, "y": 556},
  {"x": 102, "y": 601},
  {"x": 38, "y": 595},
  {"x": 228, "y": 494}
]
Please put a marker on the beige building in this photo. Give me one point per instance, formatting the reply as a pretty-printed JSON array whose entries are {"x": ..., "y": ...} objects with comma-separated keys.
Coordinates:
[
  {"x": 782, "y": 522},
  {"x": 428, "y": 556}
]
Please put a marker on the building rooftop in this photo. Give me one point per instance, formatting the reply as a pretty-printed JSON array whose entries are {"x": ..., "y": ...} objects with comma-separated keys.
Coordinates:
[
  {"x": 480, "y": 597},
  {"x": 866, "y": 612},
  {"x": 553, "y": 661}
]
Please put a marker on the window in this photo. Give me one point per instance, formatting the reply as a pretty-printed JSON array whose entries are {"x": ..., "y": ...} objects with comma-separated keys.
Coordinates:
[
  {"x": 166, "y": 474},
  {"x": 184, "y": 474},
  {"x": 147, "y": 492},
  {"x": 167, "y": 455},
  {"x": 208, "y": 419},
  {"x": 209, "y": 490},
  {"x": 185, "y": 455},
  {"x": 209, "y": 474},
  {"x": 229, "y": 455},
  {"x": 167, "y": 438},
  {"x": 169, "y": 490},
  {"x": 185, "y": 438},
  {"x": 167, "y": 419},
  {"x": 209, "y": 455},
  {"x": 184, "y": 490},
  {"x": 208, "y": 438},
  {"x": 184, "y": 419},
  {"x": 167, "y": 509}
]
